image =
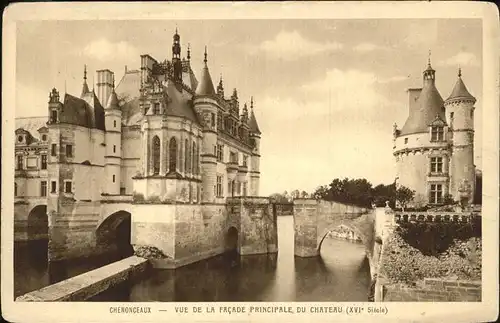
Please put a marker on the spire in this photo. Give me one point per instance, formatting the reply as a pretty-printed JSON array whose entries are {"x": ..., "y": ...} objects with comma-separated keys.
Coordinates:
[
  {"x": 189, "y": 52},
  {"x": 85, "y": 88},
  {"x": 176, "y": 58},
  {"x": 220, "y": 88},
  {"x": 206, "y": 86},
  {"x": 460, "y": 90},
  {"x": 254, "y": 127},
  {"x": 429, "y": 60},
  {"x": 429, "y": 73}
]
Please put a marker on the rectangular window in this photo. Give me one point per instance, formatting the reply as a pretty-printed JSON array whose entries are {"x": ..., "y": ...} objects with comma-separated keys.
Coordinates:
[
  {"x": 69, "y": 150},
  {"x": 436, "y": 194},
  {"x": 406, "y": 141},
  {"x": 114, "y": 148},
  {"x": 67, "y": 187},
  {"x": 244, "y": 188},
  {"x": 15, "y": 189},
  {"x": 53, "y": 116},
  {"x": 436, "y": 164},
  {"x": 220, "y": 153},
  {"x": 245, "y": 160},
  {"x": 53, "y": 150},
  {"x": 218, "y": 191},
  {"x": 233, "y": 157},
  {"x": 43, "y": 188},
  {"x": 114, "y": 123},
  {"x": 156, "y": 108},
  {"x": 437, "y": 134},
  {"x": 238, "y": 188},
  {"x": 113, "y": 178},
  {"x": 213, "y": 119},
  {"x": 44, "y": 163},
  {"x": 19, "y": 162},
  {"x": 53, "y": 187},
  {"x": 230, "y": 188}
]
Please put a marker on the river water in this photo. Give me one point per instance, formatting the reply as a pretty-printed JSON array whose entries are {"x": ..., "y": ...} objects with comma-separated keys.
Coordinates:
[{"x": 341, "y": 274}]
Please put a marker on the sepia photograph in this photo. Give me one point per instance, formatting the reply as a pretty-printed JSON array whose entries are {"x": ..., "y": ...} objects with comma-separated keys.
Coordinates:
[{"x": 292, "y": 165}]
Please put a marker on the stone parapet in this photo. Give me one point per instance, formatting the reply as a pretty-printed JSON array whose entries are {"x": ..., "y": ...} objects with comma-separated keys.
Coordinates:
[{"x": 84, "y": 286}]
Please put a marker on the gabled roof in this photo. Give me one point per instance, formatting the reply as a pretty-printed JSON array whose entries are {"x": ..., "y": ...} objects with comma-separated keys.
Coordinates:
[
  {"x": 128, "y": 95},
  {"x": 438, "y": 121},
  {"x": 31, "y": 125},
  {"x": 86, "y": 112}
]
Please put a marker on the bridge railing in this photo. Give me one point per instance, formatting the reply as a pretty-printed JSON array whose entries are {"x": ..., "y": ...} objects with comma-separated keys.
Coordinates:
[
  {"x": 116, "y": 198},
  {"x": 443, "y": 217}
]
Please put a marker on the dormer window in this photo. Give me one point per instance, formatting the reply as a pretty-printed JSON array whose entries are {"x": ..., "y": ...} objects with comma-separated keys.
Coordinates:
[
  {"x": 437, "y": 133},
  {"x": 19, "y": 138},
  {"x": 44, "y": 137},
  {"x": 406, "y": 141}
]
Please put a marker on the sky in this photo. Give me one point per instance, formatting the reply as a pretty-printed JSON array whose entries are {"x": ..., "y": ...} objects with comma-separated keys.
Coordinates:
[{"x": 326, "y": 92}]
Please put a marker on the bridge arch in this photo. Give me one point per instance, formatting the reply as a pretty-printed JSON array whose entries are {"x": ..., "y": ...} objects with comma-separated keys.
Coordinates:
[
  {"x": 231, "y": 239},
  {"x": 348, "y": 226},
  {"x": 38, "y": 223},
  {"x": 115, "y": 230}
]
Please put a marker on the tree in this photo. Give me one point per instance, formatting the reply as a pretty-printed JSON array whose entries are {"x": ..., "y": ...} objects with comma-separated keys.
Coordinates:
[
  {"x": 295, "y": 194},
  {"x": 304, "y": 194},
  {"x": 404, "y": 195}
]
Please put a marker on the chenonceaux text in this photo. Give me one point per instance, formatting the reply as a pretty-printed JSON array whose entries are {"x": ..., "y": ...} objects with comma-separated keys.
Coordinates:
[{"x": 129, "y": 309}]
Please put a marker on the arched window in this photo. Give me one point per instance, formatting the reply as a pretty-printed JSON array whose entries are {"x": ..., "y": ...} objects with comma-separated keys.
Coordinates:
[
  {"x": 172, "y": 150},
  {"x": 156, "y": 155},
  {"x": 15, "y": 189},
  {"x": 193, "y": 171},
  {"x": 187, "y": 163}
]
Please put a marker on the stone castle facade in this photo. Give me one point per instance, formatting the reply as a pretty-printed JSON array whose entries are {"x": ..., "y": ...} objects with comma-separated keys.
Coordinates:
[
  {"x": 434, "y": 150},
  {"x": 161, "y": 136}
]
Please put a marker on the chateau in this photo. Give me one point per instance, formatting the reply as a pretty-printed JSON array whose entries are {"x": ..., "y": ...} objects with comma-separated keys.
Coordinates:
[
  {"x": 435, "y": 148},
  {"x": 163, "y": 147}
]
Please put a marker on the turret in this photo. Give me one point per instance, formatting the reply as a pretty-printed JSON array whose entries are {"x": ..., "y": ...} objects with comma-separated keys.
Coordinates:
[
  {"x": 460, "y": 112},
  {"x": 176, "y": 58},
  {"x": 113, "y": 117},
  {"x": 255, "y": 159},
  {"x": 207, "y": 108}
]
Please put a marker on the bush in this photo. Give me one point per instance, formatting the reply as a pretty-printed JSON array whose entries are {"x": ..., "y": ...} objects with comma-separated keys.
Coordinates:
[
  {"x": 403, "y": 263},
  {"x": 149, "y": 252}
]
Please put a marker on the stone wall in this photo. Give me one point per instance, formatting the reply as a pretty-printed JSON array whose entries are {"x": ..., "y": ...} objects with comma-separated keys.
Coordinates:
[
  {"x": 258, "y": 231},
  {"x": 314, "y": 219},
  {"x": 434, "y": 290}
]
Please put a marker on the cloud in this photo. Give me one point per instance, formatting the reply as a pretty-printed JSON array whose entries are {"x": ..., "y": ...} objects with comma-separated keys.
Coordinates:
[
  {"x": 461, "y": 59},
  {"x": 290, "y": 45},
  {"x": 104, "y": 50},
  {"x": 368, "y": 47},
  {"x": 31, "y": 100},
  {"x": 352, "y": 89}
]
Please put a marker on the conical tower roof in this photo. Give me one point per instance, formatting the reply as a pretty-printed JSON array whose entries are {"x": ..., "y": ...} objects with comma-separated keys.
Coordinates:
[
  {"x": 428, "y": 105},
  {"x": 460, "y": 90},
  {"x": 113, "y": 102},
  {"x": 205, "y": 86},
  {"x": 85, "y": 87},
  {"x": 252, "y": 123}
]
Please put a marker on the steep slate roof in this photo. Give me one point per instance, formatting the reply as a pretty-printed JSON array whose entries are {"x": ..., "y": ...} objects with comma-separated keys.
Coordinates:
[
  {"x": 113, "y": 102},
  {"x": 429, "y": 105},
  {"x": 206, "y": 86},
  {"x": 128, "y": 94},
  {"x": 188, "y": 76},
  {"x": 86, "y": 112},
  {"x": 252, "y": 124},
  {"x": 32, "y": 125},
  {"x": 460, "y": 90},
  {"x": 179, "y": 103}
]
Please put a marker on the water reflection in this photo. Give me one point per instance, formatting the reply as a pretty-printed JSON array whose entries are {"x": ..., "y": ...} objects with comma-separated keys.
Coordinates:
[{"x": 340, "y": 274}]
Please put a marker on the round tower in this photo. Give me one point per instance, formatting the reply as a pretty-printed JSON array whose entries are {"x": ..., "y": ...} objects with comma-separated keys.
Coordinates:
[
  {"x": 113, "y": 117},
  {"x": 460, "y": 113},
  {"x": 207, "y": 108},
  {"x": 421, "y": 146}
]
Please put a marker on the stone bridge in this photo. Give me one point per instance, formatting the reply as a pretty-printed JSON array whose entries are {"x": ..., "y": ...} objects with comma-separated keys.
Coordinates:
[
  {"x": 315, "y": 219},
  {"x": 183, "y": 232}
]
